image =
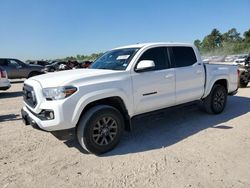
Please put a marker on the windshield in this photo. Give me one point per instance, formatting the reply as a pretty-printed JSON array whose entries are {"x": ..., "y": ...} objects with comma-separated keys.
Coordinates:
[{"x": 115, "y": 59}]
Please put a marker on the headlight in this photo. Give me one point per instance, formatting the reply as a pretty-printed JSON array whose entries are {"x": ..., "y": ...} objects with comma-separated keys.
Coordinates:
[{"x": 57, "y": 93}]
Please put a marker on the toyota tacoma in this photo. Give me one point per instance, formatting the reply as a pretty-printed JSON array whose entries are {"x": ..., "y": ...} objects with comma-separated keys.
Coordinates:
[{"x": 100, "y": 102}]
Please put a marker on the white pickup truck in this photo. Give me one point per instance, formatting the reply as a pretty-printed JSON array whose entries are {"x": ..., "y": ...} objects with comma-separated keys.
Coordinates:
[{"x": 100, "y": 102}]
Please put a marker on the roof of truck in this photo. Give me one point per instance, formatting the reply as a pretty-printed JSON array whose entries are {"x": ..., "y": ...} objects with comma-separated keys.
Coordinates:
[{"x": 140, "y": 45}]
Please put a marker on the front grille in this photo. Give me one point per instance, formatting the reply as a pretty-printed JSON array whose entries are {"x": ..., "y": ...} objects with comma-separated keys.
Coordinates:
[{"x": 29, "y": 96}]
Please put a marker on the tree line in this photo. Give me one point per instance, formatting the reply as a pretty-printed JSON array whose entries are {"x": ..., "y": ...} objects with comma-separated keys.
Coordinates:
[
  {"x": 79, "y": 57},
  {"x": 215, "y": 43},
  {"x": 230, "y": 42}
]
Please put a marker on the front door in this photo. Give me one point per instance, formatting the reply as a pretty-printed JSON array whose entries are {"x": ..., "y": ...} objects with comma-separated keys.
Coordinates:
[{"x": 154, "y": 89}]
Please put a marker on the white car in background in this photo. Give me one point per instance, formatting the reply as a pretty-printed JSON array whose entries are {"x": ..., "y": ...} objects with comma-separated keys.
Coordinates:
[
  {"x": 230, "y": 58},
  {"x": 4, "y": 82},
  {"x": 241, "y": 59}
]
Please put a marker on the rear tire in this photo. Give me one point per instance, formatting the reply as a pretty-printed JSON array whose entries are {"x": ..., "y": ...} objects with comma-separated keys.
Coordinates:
[
  {"x": 99, "y": 129},
  {"x": 216, "y": 101}
]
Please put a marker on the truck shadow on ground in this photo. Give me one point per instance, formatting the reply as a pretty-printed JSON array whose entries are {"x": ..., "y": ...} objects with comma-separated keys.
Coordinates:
[
  {"x": 10, "y": 117},
  {"x": 172, "y": 126},
  {"x": 6, "y": 95}
]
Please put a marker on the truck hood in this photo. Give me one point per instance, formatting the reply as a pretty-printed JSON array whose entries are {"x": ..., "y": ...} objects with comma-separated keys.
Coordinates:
[{"x": 64, "y": 77}]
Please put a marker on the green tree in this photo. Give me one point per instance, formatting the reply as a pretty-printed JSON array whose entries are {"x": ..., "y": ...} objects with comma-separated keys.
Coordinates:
[
  {"x": 247, "y": 36},
  {"x": 212, "y": 41},
  {"x": 197, "y": 43},
  {"x": 229, "y": 42},
  {"x": 232, "y": 36}
]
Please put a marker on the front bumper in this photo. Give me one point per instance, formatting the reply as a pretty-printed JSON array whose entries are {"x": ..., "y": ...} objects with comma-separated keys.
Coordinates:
[
  {"x": 64, "y": 111},
  {"x": 4, "y": 87},
  {"x": 31, "y": 118},
  {"x": 27, "y": 120}
]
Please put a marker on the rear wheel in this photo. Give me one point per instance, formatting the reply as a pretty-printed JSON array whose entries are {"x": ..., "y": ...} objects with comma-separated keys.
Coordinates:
[
  {"x": 216, "y": 101},
  {"x": 100, "y": 129}
]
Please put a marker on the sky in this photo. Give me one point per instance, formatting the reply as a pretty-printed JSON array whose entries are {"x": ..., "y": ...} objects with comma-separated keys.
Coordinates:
[{"x": 47, "y": 29}]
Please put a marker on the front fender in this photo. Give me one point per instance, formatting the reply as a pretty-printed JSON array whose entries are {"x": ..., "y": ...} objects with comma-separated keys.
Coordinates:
[{"x": 98, "y": 95}]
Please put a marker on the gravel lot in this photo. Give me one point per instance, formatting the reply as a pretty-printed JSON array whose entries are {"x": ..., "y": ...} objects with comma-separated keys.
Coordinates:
[{"x": 179, "y": 148}]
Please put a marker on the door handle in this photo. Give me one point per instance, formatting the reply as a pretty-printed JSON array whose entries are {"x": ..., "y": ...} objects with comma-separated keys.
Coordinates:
[{"x": 169, "y": 76}]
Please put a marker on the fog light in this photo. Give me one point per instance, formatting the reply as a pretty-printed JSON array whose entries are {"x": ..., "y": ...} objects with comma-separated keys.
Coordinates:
[
  {"x": 51, "y": 115},
  {"x": 47, "y": 115}
]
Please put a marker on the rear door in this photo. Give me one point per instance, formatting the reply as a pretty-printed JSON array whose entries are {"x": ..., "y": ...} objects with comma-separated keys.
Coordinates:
[
  {"x": 154, "y": 89},
  {"x": 190, "y": 74}
]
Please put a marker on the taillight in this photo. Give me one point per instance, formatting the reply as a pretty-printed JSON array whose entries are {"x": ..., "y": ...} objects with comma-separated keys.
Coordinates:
[
  {"x": 3, "y": 74},
  {"x": 238, "y": 71}
]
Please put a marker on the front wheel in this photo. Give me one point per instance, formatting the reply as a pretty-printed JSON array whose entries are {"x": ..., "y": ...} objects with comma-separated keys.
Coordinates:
[
  {"x": 100, "y": 128},
  {"x": 216, "y": 101}
]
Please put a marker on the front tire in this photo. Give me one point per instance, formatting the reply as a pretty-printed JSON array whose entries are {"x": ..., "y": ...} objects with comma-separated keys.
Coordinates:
[
  {"x": 99, "y": 129},
  {"x": 216, "y": 101}
]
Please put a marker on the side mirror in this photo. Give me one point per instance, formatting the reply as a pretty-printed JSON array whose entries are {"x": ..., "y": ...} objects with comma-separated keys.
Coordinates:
[
  {"x": 19, "y": 67},
  {"x": 145, "y": 65}
]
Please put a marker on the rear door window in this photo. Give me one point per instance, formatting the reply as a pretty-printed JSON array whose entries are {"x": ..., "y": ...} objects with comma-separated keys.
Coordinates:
[{"x": 183, "y": 56}]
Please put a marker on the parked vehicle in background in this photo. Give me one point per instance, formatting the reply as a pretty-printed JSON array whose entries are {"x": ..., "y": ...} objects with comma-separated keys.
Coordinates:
[
  {"x": 230, "y": 58},
  {"x": 101, "y": 101},
  {"x": 213, "y": 58},
  {"x": 244, "y": 76},
  {"x": 245, "y": 73},
  {"x": 70, "y": 64},
  {"x": 18, "y": 69},
  {"x": 4, "y": 82},
  {"x": 54, "y": 66},
  {"x": 240, "y": 60},
  {"x": 84, "y": 64},
  {"x": 42, "y": 63}
]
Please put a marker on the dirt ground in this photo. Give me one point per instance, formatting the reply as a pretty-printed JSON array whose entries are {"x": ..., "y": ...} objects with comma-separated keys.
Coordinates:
[{"x": 179, "y": 148}]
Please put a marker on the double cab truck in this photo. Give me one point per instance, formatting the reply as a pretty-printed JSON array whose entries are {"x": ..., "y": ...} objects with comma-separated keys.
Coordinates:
[{"x": 125, "y": 82}]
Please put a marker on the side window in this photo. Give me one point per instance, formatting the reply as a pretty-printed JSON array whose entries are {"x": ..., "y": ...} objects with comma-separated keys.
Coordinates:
[
  {"x": 13, "y": 63},
  {"x": 3, "y": 62},
  {"x": 158, "y": 55},
  {"x": 183, "y": 56}
]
